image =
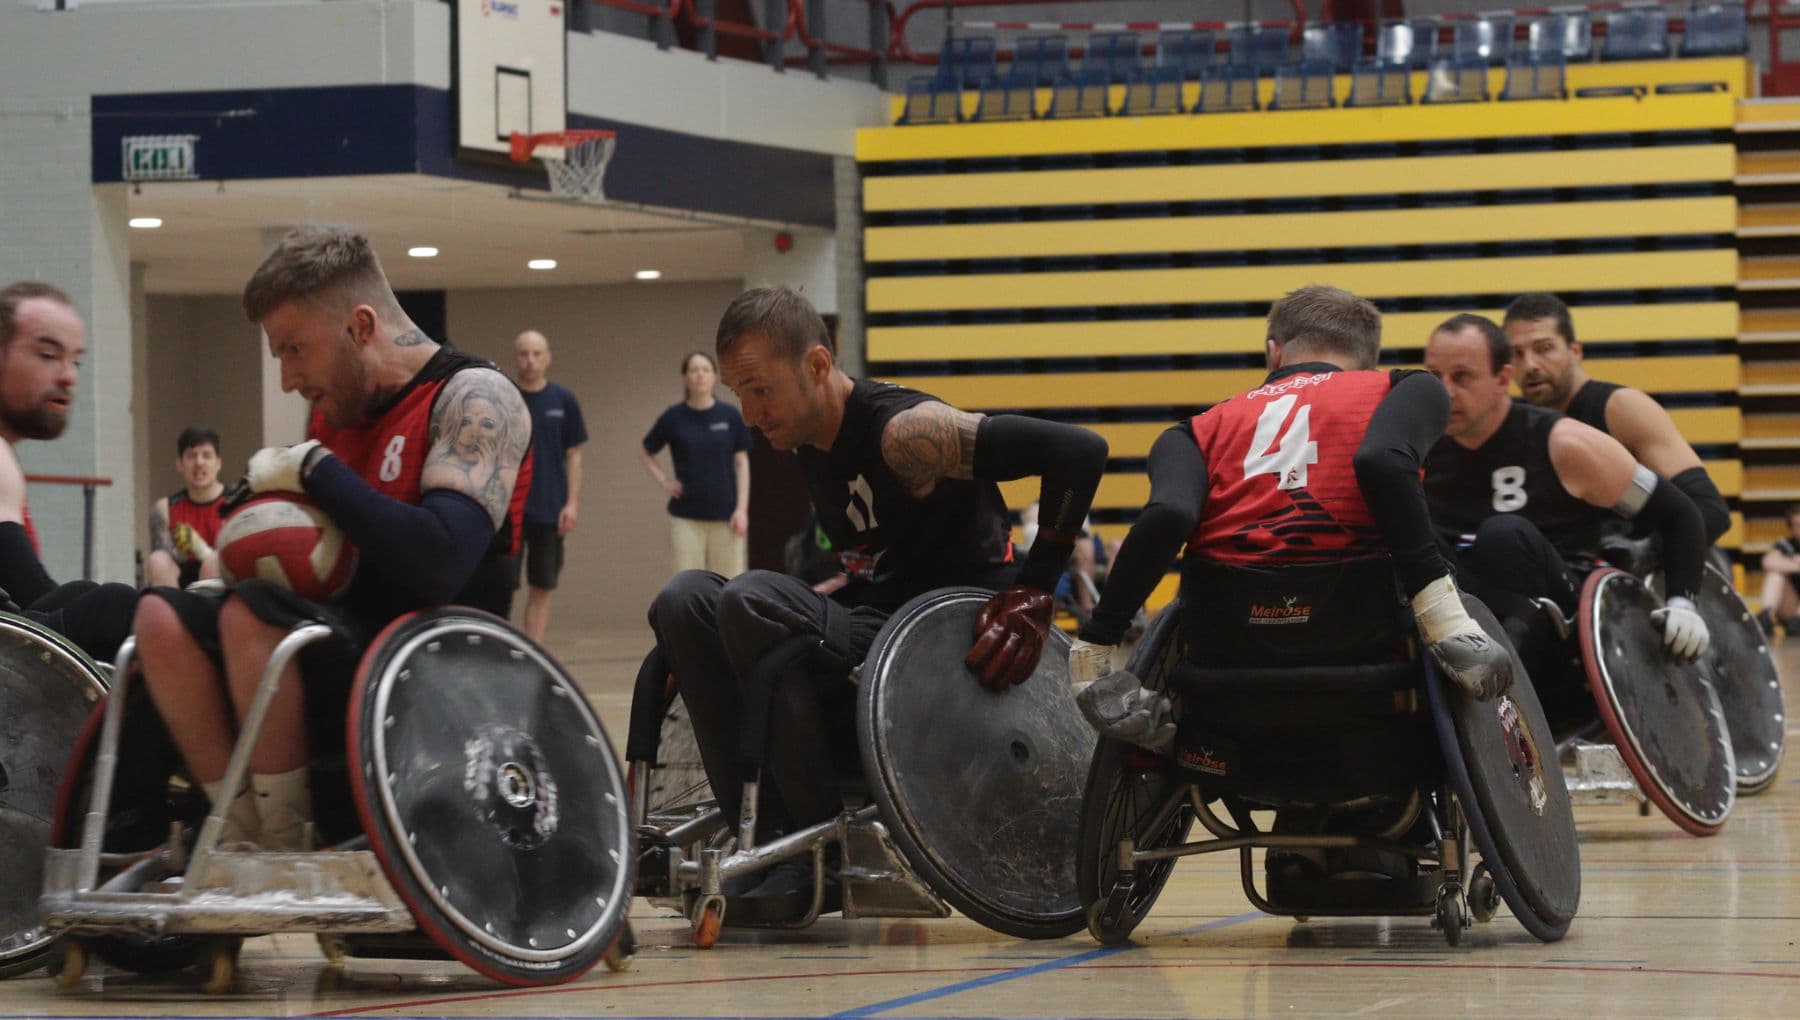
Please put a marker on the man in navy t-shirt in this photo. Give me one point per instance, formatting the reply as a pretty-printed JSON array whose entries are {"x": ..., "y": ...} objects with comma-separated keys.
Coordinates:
[{"x": 557, "y": 433}]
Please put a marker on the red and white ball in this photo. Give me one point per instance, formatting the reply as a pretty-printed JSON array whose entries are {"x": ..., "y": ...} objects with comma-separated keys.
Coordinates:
[{"x": 286, "y": 539}]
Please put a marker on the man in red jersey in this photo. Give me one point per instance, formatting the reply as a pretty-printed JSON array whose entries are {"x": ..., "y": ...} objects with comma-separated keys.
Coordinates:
[
  {"x": 417, "y": 452},
  {"x": 185, "y": 524},
  {"x": 1320, "y": 464}
]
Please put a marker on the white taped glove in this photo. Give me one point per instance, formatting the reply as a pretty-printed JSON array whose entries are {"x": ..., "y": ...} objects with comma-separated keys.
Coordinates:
[
  {"x": 1466, "y": 654},
  {"x": 1684, "y": 632},
  {"x": 1089, "y": 662},
  {"x": 1119, "y": 706},
  {"x": 279, "y": 468}
]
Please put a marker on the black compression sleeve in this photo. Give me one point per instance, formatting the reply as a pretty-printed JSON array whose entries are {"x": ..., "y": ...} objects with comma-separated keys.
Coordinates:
[
  {"x": 22, "y": 574},
  {"x": 1675, "y": 520},
  {"x": 1070, "y": 460},
  {"x": 1408, "y": 421},
  {"x": 432, "y": 549},
  {"x": 1177, "y": 495},
  {"x": 1715, "y": 516}
]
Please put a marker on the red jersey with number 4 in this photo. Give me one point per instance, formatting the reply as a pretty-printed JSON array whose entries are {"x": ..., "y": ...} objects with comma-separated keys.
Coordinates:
[
  {"x": 389, "y": 452},
  {"x": 1281, "y": 486}
]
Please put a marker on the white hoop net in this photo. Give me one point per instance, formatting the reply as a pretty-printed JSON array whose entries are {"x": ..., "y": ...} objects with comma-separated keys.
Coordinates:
[{"x": 579, "y": 172}]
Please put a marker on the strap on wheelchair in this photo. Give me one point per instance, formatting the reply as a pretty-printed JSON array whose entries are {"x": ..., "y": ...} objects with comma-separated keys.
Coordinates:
[
  {"x": 788, "y": 660},
  {"x": 834, "y": 652},
  {"x": 648, "y": 696}
]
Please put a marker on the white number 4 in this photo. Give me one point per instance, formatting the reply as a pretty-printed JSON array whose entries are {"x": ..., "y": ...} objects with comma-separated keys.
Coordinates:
[{"x": 1287, "y": 463}]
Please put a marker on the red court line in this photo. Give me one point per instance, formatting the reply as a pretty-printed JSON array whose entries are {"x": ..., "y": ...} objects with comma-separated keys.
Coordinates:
[{"x": 514, "y": 993}]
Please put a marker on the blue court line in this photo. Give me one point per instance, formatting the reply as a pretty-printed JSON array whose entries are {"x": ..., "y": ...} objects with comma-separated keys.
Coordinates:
[{"x": 1024, "y": 972}]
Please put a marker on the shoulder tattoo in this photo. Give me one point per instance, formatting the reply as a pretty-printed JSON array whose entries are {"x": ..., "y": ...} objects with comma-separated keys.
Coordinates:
[
  {"x": 480, "y": 431},
  {"x": 925, "y": 444}
]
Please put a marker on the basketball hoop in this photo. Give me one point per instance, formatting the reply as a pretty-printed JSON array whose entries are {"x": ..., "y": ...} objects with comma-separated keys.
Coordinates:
[{"x": 579, "y": 171}]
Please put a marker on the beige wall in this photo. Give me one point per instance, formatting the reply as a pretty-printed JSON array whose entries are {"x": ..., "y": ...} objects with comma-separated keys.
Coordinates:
[{"x": 619, "y": 350}]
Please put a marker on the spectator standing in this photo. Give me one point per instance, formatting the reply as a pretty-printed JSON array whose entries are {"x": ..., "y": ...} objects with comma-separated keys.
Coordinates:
[{"x": 709, "y": 492}]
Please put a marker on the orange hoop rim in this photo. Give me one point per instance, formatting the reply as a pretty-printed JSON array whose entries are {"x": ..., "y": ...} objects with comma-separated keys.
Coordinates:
[{"x": 523, "y": 144}]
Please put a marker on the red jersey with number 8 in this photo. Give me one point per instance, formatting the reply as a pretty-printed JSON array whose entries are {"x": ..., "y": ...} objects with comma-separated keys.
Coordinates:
[{"x": 1281, "y": 486}]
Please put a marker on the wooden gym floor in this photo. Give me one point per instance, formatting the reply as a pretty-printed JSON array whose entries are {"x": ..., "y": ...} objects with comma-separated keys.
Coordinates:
[{"x": 1670, "y": 926}]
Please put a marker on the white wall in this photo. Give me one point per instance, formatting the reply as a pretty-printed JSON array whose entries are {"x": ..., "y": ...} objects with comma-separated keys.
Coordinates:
[
  {"x": 204, "y": 368},
  {"x": 619, "y": 349}
]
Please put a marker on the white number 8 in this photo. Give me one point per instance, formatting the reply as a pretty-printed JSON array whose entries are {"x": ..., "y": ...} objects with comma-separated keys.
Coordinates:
[
  {"x": 390, "y": 461},
  {"x": 1509, "y": 489}
]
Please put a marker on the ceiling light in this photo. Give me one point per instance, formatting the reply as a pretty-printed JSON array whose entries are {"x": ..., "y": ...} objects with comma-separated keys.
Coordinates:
[
  {"x": 541, "y": 264},
  {"x": 423, "y": 251},
  {"x": 649, "y": 274},
  {"x": 145, "y": 222}
]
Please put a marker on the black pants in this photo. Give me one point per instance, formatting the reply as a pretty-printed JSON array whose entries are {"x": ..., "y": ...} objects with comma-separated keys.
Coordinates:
[
  {"x": 97, "y": 617},
  {"x": 1509, "y": 564},
  {"x": 714, "y": 632}
]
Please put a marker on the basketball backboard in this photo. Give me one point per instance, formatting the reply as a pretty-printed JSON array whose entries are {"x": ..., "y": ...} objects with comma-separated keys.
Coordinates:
[{"x": 511, "y": 62}]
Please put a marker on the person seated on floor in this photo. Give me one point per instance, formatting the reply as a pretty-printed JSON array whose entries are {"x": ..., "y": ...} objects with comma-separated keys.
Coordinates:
[
  {"x": 1781, "y": 565},
  {"x": 418, "y": 452},
  {"x": 185, "y": 524},
  {"x": 905, "y": 489}
]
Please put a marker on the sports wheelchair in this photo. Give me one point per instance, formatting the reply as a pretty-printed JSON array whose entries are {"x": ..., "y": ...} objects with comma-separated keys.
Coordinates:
[
  {"x": 478, "y": 814},
  {"x": 964, "y": 797},
  {"x": 1299, "y": 691}
]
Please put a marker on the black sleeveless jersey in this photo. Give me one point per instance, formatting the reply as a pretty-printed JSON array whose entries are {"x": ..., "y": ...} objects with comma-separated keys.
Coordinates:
[
  {"x": 1588, "y": 405},
  {"x": 892, "y": 545},
  {"x": 1511, "y": 473}
]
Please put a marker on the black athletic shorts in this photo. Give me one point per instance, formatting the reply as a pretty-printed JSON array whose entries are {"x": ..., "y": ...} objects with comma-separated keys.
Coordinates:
[
  {"x": 542, "y": 557},
  {"x": 327, "y": 668}
]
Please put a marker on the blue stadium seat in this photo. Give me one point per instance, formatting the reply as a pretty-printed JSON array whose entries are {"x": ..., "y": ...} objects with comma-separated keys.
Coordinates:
[
  {"x": 1085, "y": 92},
  {"x": 1636, "y": 33},
  {"x": 968, "y": 61},
  {"x": 1114, "y": 54},
  {"x": 1190, "y": 50},
  {"x": 1456, "y": 80},
  {"x": 1306, "y": 85},
  {"x": 1038, "y": 61},
  {"x": 1228, "y": 88},
  {"x": 1263, "y": 47},
  {"x": 1715, "y": 30},
  {"x": 1157, "y": 90},
  {"x": 1487, "y": 38},
  {"x": 1377, "y": 84},
  {"x": 1569, "y": 33},
  {"x": 1536, "y": 76},
  {"x": 1338, "y": 43}
]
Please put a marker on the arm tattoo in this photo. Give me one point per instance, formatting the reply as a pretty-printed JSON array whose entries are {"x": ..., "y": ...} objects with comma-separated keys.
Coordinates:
[
  {"x": 925, "y": 444},
  {"x": 480, "y": 430},
  {"x": 159, "y": 530},
  {"x": 411, "y": 338}
]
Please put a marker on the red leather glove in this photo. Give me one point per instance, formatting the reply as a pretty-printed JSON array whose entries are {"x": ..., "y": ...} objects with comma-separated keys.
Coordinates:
[{"x": 1009, "y": 636}]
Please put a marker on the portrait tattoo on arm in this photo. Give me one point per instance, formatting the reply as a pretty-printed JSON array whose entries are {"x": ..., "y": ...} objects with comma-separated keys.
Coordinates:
[
  {"x": 159, "y": 529},
  {"x": 480, "y": 430},
  {"x": 925, "y": 444}
]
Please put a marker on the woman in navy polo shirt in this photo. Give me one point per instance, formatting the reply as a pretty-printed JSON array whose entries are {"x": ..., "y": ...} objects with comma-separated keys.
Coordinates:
[{"x": 709, "y": 495}]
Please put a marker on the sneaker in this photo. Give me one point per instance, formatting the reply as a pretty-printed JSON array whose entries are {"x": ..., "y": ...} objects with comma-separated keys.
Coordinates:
[{"x": 1791, "y": 625}]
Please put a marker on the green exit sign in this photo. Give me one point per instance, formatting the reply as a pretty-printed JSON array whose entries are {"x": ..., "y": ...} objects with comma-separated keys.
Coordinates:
[{"x": 159, "y": 158}]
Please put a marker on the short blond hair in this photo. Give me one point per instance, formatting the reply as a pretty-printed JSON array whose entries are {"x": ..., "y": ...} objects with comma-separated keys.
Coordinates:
[{"x": 320, "y": 264}]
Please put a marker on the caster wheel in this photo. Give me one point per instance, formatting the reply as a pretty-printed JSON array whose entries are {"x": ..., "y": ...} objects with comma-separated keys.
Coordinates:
[
  {"x": 1104, "y": 933},
  {"x": 619, "y": 955},
  {"x": 1484, "y": 895},
  {"x": 1450, "y": 916},
  {"x": 221, "y": 965},
  {"x": 708, "y": 922},
  {"x": 69, "y": 968}
]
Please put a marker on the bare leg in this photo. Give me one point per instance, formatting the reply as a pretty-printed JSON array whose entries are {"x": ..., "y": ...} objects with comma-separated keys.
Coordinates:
[
  {"x": 1787, "y": 600},
  {"x": 161, "y": 570},
  {"x": 248, "y": 642},
  {"x": 537, "y": 612},
  {"x": 185, "y": 688},
  {"x": 209, "y": 566}
]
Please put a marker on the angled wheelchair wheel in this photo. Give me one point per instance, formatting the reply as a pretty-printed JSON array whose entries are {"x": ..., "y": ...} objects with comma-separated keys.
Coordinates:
[
  {"x": 492, "y": 797},
  {"x": 1742, "y": 671},
  {"x": 1126, "y": 787},
  {"x": 980, "y": 790},
  {"x": 48, "y": 687},
  {"x": 1664, "y": 717}
]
